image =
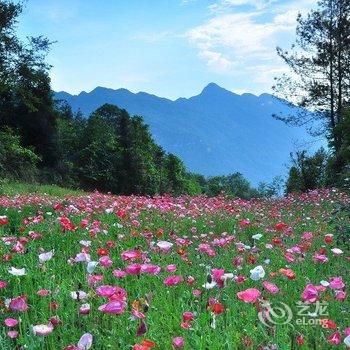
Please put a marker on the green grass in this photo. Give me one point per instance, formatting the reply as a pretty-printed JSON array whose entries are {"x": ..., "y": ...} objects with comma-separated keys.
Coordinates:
[
  {"x": 164, "y": 314},
  {"x": 11, "y": 188}
]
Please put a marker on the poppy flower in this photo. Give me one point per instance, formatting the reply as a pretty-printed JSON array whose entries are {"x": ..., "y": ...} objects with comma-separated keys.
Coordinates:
[
  {"x": 173, "y": 280},
  {"x": 18, "y": 304},
  {"x": 42, "y": 329},
  {"x": 335, "y": 338},
  {"x": 178, "y": 342},
  {"x": 11, "y": 322},
  {"x": 114, "y": 307},
  {"x": 250, "y": 295},
  {"x": 85, "y": 342},
  {"x": 217, "y": 308}
]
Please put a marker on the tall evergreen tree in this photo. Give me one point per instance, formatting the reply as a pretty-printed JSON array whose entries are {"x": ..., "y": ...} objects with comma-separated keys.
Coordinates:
[{"x": 319, "y": 62}]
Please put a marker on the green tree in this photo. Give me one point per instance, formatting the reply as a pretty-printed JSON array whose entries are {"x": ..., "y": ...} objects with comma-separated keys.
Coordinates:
[
  {"x": 26, "y": 103},
  {"x": 307, "y": 172},
  {"x": 319, "y": 62},
  {"x": 16, "y": 161}
]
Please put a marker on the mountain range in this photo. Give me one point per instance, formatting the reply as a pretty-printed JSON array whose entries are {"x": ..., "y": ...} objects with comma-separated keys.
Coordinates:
[{"x": 216, "y": 132}]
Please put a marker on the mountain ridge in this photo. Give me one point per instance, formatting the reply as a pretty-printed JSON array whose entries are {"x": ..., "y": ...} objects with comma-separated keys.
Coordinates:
[{"x": 215, "y": 132}]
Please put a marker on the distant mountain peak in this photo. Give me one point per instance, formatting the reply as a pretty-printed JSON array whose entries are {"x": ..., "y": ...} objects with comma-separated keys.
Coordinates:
[
  {"x": 214, "y": 90},
  {"x": 213, "y": 87}
]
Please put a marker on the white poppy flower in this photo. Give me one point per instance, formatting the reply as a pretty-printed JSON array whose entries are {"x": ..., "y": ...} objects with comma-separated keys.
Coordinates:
[
  {"x": 46, "y": 256},
  {"x": 17, "y": 272},
  {"x": 257, "y": 273}
]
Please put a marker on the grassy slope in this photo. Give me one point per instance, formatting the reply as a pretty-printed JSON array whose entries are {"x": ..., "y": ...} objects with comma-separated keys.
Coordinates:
[{"x": 17, "y": 188}]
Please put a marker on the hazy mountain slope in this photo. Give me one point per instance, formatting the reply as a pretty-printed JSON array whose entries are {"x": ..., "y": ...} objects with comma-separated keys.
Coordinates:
[{"x": 215, "y": 132}]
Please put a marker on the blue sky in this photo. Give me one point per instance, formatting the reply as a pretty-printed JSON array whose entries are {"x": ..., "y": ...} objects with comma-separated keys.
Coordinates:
[{"x": 170, "y": 48}]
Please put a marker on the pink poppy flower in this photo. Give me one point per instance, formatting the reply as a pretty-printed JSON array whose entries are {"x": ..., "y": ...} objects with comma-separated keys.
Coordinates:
[
  {"x": 272, "y": 288},
  {"x": 171, "y": 268},
  {"x": 119, "y": 273},
  {"x": 43, "y": 292},
  {"x": 190, "y": 280},
  {"x": 307, "y": 235},
  {"x": 197, "y": 293},
  {"x": 106, "y": 261},
  {"x": 3, "y": 284},
  {"x": 12, "y": 334},
  {"x": 137, "y": 313},
  {"x": 114, "y": 307},
  {"x": 84, "y": 309},
  {"x": 94, "y": 279},
  {"x": 250, "y": 295},
  {"x": 217, "y": 276},
  {"x": 120, "y": 294}
]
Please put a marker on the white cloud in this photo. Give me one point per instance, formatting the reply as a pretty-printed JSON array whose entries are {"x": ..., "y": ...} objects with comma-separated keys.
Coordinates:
[
  {"x": 244, "y": 33},
  {"x": 225, "y": 5},
  {"x": 216, "y": 60}
]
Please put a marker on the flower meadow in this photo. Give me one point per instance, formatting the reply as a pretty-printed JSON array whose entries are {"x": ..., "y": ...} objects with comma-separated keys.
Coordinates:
[{"x": 114, "y": 272}]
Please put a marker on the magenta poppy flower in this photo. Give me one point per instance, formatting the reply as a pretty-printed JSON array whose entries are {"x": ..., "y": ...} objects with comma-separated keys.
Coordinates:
[
  {"x": 336, "y": 283},
  {"x": 19, "y": 304},
  {"x": 321, "y": 258},
  {"x": 173, "y": 280},
  {"x": 114, "y": 307},
  {"x": 178, "y": 342},
  {"x": 106, "y": 291},
  {"x": 106, "y": 261},
  {"x": 133, "y": 269},
  {"x": 11, "y": 322},
  {"x": 340, "y": 295},
  {"x": 310, "y": 294}
]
